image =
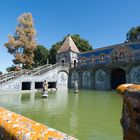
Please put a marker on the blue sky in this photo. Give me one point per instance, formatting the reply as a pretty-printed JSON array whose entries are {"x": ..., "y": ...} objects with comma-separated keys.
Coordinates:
[{"x": 101, "y": 22}]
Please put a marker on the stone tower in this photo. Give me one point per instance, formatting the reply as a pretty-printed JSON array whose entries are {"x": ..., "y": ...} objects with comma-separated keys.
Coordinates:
[{"x": 68, "y": 52}]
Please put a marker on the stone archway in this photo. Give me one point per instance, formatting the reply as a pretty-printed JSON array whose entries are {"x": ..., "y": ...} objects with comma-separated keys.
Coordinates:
[
  {"x": 62, "y": 80},
  {"x": 117, "y": 77}
]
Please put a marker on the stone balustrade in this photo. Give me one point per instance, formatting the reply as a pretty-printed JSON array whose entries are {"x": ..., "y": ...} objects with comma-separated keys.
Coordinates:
[{"x": 17, "y": 127}]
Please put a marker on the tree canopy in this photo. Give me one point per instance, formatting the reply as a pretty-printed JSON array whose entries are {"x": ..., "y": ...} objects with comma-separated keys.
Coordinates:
[
  {"x": 53, "y": 51},
  {"x": 22, "y": 44},
  {"x": 40, "y": 56},
  {"x": 133, "y": 34},
  {"x": 82, "y": 45},
  {"x": 12, "y": 68}
]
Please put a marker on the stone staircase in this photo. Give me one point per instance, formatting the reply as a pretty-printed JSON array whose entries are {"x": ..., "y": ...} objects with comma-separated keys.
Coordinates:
[
  {"x": 4, "y": 78},
  {"x": 13, "y": 80}
]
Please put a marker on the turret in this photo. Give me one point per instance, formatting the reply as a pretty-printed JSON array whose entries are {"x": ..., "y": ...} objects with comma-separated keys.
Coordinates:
[{"x": 68, "y": 52}]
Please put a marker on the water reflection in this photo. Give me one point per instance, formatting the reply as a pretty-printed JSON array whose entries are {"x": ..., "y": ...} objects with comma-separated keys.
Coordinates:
[
  {"x": 10, "y": 98},
  {"x": 74, "y": 116},
  {"x": 87, "y": 115}
]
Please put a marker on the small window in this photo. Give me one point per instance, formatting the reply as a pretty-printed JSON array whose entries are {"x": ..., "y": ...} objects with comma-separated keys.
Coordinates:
[
  {"x": 83, "y": 60},
  {"x": 102, "y": 57}
]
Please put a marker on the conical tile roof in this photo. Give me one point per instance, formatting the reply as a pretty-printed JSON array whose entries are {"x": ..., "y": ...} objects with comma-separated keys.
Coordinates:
[{"x": 68, "y": 45}]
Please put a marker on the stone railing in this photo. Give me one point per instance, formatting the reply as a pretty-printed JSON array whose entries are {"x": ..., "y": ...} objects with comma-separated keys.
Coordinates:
[
  {"x": 51, "y": 67},
  {"x": 4, "y": 78},
  {"x": 10, "y": 76},
  {"x": 15, "y": 74},
  {"x": 17, "y": 127},
  {"x": 130, "y": 120}
]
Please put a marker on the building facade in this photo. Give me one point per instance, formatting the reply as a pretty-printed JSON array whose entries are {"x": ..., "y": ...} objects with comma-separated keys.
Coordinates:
[
  {"x": 68, "y": 53},
  {"x": 106, "y": 68},
  {"x": 100, "y": 69}
]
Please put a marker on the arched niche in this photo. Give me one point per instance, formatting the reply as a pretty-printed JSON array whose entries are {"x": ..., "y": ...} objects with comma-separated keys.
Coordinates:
[
  {"x": 135, "y": 75},
  {"x": 86, "y": 79},
  {"x": 101, "y": 80},
  {"x": 118, "y": 77},
  {"x": 62, "y": 80}
]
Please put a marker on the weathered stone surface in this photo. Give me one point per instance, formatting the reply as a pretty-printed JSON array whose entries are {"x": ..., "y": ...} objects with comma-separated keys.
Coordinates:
[
  {"x": 50, "y": 74},
  {"x": 130, "y": 120},
  {"x": 17, "y": 127}
]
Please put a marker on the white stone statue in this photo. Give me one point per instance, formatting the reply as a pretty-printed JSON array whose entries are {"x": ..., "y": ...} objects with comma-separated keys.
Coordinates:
[
  {"x": 75, "y": 86},
  {"x": 45, "y": 89}
]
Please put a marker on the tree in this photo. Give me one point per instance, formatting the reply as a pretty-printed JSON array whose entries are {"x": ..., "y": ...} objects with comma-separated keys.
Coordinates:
[
  {"x": 12, "y": 68},
  {"x": 82, "y": 45},
  {"x": 133, "y": 34},
  {"x": 53, "y": 51},
  {"x": 22, "y": 44},
  {"x": 40, "y": 56}
]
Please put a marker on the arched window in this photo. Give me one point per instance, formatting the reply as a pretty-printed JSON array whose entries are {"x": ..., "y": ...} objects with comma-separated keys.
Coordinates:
[
  {"x": 92, "y": 59},
  {"x": 83, "y": 60},
  {"x": 102, "y": 57}
]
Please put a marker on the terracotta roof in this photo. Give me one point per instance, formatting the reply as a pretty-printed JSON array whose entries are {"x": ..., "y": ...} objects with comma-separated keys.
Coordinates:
[{"x": 68, "y": 45}]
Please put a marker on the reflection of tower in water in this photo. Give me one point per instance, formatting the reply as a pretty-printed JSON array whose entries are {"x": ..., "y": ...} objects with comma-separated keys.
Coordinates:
[
  {"x": 28, "y": 97},
  {"x": 74, "y": 116}
]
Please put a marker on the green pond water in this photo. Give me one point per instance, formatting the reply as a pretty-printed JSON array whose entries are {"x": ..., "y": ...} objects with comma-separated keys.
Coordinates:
[{"x": 88, "y": 115}]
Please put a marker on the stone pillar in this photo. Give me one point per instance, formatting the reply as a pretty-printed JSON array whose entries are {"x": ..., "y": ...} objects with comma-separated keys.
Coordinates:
[
  {"x": 127, "y": 78},
  {"x": 32, "y": 85},
  {"x": 130, "y": 120},
  {"x": 93, "y": 79},
  {"x": 108, "y": 81},
  {"x": 69, "y": 80},
  {"x": 80, "y": 79}
]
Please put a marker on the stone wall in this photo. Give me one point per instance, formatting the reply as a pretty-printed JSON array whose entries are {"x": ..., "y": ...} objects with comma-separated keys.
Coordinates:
[
  {"x": 53, "y": 75},
  {"x": 62, "y": 80},
  {"x": 130, "y": 120},
  {"x": 135, "y": 75},
  {"x": 14, "y": 126},
  {"x": 101, "y": 79}
]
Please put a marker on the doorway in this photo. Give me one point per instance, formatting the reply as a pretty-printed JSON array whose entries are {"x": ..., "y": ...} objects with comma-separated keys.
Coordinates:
[
  {"x": 117, "y": 77},
  {"x": 75, "y": 63},
  {"x": 26, "y": 85}
]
